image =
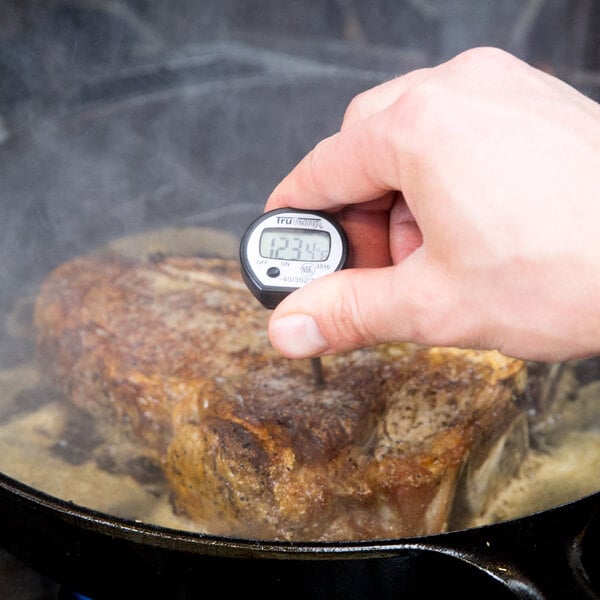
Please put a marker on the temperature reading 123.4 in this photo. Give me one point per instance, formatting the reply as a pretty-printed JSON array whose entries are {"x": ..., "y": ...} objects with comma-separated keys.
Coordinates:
[
  {"x": 295, "y": 244},
  {"x": 284, "y": 249}
]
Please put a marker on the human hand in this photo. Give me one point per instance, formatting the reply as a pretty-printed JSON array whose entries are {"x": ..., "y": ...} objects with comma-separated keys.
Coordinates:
[{"x": 470, "y": 193}]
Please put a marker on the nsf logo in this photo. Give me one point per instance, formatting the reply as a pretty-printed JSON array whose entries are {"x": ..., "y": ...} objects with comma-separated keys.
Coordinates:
[{"x": 307, "y": 269}]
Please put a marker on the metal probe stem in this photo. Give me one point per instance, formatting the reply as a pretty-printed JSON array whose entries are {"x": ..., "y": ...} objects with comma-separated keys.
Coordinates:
[{"x": 317, "y": 369}]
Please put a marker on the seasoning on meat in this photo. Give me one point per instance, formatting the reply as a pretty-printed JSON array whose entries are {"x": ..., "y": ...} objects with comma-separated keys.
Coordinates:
[{"x": 172, "y": 355}]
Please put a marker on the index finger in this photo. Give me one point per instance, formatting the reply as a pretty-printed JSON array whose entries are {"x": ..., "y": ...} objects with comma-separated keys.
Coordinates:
[
  {"x": 350, "y": 166},
  {"x": 381, "y": 96},
  {"x": 354, "y": 165}
]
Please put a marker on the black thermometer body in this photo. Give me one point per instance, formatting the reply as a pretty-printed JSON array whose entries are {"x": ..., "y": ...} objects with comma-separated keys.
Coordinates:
[{"x": 284, "y": 249}]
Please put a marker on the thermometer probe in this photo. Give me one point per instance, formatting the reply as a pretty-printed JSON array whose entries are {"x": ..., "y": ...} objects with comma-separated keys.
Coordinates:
[{"x": 284, "y": 249}]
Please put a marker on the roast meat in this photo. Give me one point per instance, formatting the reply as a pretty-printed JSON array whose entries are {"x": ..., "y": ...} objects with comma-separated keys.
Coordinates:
[{"x": 170, "y": 355}]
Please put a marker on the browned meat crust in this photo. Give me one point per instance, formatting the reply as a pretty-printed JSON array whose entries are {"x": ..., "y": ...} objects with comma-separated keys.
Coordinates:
[
  {"x": 129, "y": 341},
  {"x": 173, "y": 354}
]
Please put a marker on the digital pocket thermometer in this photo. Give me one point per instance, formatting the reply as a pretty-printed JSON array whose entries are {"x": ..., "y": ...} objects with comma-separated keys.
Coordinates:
[{"x": 284, "y": 249}]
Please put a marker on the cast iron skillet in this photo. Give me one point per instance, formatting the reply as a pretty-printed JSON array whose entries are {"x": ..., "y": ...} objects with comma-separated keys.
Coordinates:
[
  {"x": 192, "y": 156},
  {"x": 549, "y": 555}
]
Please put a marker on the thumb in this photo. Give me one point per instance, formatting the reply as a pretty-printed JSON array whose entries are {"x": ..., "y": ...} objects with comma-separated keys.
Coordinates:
[{"x": 350, "y": 309}]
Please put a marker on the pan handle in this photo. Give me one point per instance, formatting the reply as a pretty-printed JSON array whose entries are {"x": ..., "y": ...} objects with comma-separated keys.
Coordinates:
[{"x": 538, "y": 557}]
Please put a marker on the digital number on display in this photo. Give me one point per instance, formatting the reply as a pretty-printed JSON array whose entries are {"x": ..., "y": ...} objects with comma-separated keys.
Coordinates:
[{"x": 295, "y": 244}]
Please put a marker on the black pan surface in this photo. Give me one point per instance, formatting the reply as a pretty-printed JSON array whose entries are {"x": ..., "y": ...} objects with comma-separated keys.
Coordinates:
[{"x": 549, "y": 555}]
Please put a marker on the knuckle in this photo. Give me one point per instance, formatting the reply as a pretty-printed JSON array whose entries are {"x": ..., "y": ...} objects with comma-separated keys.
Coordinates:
[
  {"x": 346, "y": 321},
  {"x": 481, "y": 55},
  {"x": 315, "y": 164},
  {"x": 418, "y": 111},
  {"x": 354, "y": 110},
  {"x": 433, "y": 321},
  {"x": 485, "y": 64}
]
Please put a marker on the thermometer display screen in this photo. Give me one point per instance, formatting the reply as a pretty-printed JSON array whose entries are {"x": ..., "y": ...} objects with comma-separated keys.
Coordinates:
[
  {"x": 295, "y": 244},
  {"x": 285, "y": 249}
]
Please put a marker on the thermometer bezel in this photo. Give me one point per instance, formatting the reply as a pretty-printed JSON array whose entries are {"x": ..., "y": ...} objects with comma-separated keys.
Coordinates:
[{"x": 287, "y": 275}]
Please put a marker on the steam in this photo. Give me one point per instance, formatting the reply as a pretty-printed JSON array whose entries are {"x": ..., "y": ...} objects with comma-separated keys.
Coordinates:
[{"x": 119, "y": 117}]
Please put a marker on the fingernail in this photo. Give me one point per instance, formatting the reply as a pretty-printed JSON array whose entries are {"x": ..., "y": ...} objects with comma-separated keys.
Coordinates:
[{"x": 297, "y": 336}]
